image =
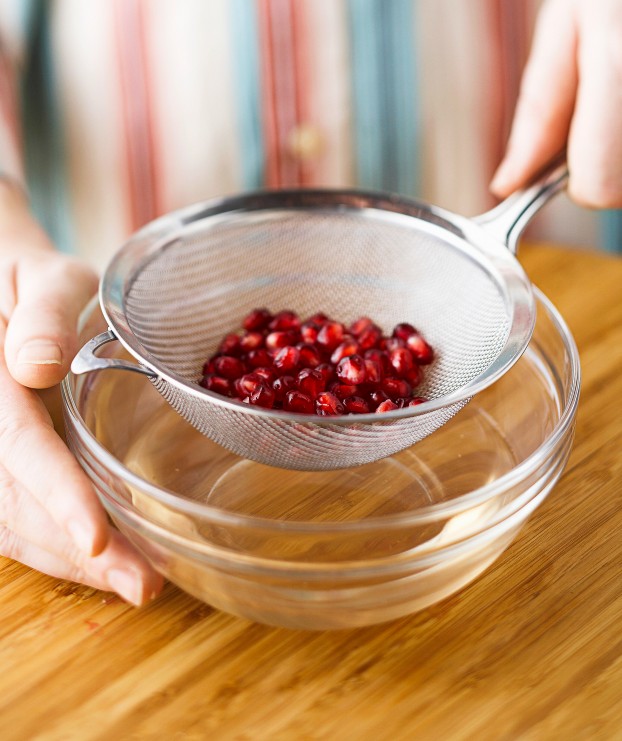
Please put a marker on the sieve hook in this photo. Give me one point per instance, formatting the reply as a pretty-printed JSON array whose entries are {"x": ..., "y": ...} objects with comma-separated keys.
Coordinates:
[
  {"x": 87, "y": 361},
  {"x": 506, "y": 221}
]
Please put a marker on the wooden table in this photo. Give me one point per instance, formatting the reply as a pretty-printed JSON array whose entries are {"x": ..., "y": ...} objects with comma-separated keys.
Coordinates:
[{"x": 531, "y": 650}]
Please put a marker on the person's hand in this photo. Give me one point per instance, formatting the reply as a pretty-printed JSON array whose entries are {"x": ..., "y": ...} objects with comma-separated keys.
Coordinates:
[
  {"x": 50, "y": 518},
  {"x": 571, "y": 96}
]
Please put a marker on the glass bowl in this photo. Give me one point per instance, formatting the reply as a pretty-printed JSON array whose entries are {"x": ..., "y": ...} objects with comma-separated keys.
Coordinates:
[{"x": 328, "y": 549}]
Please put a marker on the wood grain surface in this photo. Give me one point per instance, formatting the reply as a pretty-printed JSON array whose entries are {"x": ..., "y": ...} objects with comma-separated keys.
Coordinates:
[{"x": 531, "y": 650}]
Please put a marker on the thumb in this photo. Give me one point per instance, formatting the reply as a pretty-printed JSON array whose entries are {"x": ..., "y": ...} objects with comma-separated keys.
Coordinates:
[
  {"x": 546, "y": 101},
  {"x": 41, "y": 339}
]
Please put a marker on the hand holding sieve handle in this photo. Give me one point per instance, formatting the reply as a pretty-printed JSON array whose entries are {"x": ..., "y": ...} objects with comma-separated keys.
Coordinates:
[{"x": 506, "y": 221}]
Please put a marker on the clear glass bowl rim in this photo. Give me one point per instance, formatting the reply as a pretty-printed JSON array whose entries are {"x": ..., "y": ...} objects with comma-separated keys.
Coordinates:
[{"x": 429, "y": 513}]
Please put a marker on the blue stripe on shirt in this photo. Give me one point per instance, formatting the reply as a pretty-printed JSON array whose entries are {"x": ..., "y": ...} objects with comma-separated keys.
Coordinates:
[
  {"x": 245, "y": 45},
  {"x": 44, "y": 150},
  {"x": 384, "y": 91},
  {"x": 611, "y": 230}
]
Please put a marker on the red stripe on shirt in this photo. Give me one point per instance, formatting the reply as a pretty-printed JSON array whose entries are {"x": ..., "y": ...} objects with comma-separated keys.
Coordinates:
[
  {"x": 303, "y": 51},
  {"x": 278, "y": 96},
  {"x": 268, "y": 99},
  {"x": 138, "y": 139},
  {"x": 509, "y": 28}
]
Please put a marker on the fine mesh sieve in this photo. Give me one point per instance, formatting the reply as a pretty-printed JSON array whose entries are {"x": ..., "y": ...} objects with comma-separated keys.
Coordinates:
[{"x": 185, "y": 280}]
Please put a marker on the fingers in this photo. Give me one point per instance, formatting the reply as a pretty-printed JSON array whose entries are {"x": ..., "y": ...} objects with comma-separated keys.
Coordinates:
[
  {"x": 28, "y": 534},
  {"x": 595, "y": 143},
  {"x": 35, "y": 456},
  {"x": 50, "y": 517},
  {"x": 41, "y": 338},
  {"x": 36, "y": 557},
  {"x": 546, "y": 100},
  {"x": 119, "y": 568},
  {"x": 571, "y": 97}
]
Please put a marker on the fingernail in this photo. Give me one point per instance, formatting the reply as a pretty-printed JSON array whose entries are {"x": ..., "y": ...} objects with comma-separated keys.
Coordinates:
[
  {"x": 126, "y": 584},
  {"x": 81, "y": 535},
  {"x": 40, "y": 352},
  {"x": 504, "y": 173},
  {"x": 499, "y": 180}
]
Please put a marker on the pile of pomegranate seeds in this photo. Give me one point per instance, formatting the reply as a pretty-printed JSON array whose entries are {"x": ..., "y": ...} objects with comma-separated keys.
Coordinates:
[{"x": 319, "y": 366}]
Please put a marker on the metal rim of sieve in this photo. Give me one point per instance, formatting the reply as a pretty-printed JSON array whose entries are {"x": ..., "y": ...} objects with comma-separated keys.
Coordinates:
[{"x": 490, "y": 239}]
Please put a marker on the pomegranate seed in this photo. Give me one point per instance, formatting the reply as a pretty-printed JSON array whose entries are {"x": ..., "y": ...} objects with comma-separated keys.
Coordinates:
[
  {"x": 259, "y": 358},
  {"x": 386, "y": 406},
  {"x": 396, "y": 387},
  {"x": 217, "y": 384},
  {"x": 376, "y": 398},
  {"x": 391, "y": 343},
  {"x": 257, "y": 319},
  {"x": 346, "y": 348},
  {"x": 309, "y": 355},
  {"x": 422, "y": 352},
  {"x": 230, "y": 345},
  {"x": 245, "y": 385},
  {"x": 381, "y": 357},
  {"x": 403, "y": 330},
  {"x": 320, "y": 318},
  {"x": 351, "y": 370},
  {"x": 277, "y": 340},
  {"x": 343, "y": 390},
  {"x": 251, "y": 341},
  {"x": 370, "y": 338},
  {"x": 330, "y": 335},
  {"x": 263, "y": 396},
  {"x": 317, "y": 365},
  {"x": 287, "y": 358},
  {"x": 327, "y": 371},
  {"x": 308, "y": 331},
  {"x": 228, "y": 367},
  {"x": 285, "y": 320},
  {"x": 296, "y": 401},
  {"x": 374, "y": 371},
  {"x": 414, "y": 376},
  {"x": 402, "y": 361},
  {"x": 310, "y": 382},
  {"x": 327, "y": 404},
  {"x": 282, "y": 385},
  {"x": 356, "y": 405},
  {"x": 362, "y": 324},
  {"x": 268, "y": 374}
]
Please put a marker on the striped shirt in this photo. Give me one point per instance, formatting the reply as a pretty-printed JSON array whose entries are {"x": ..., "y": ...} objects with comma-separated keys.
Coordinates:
[{"x": 113, "y": 112}]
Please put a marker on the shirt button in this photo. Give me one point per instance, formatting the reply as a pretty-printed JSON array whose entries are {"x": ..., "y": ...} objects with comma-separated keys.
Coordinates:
[{"x": 304, "y": 142}]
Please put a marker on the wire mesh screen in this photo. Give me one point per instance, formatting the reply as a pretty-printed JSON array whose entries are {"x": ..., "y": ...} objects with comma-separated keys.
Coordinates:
[{"x": 346, "y": 264}]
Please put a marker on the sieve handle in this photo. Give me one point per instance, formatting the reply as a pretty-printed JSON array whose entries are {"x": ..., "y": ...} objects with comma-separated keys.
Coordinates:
[
  {"x": 507, "y": 221},
  {"x": 87, "y": 361}
]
